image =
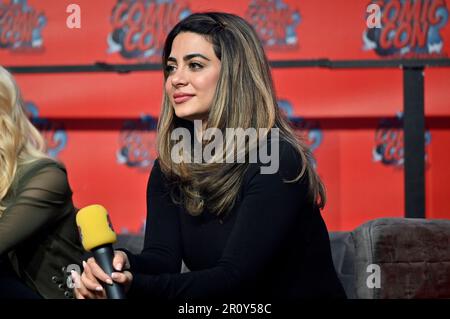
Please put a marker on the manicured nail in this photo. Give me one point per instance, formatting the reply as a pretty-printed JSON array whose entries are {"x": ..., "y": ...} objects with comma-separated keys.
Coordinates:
[
  {"x": 99, "y": 288},
  {"x": 119, "y": 266},
  {"x": 84, "y": 264},
  {"x": 114, "y": 275},
  {"x": 109, "y": 281}
]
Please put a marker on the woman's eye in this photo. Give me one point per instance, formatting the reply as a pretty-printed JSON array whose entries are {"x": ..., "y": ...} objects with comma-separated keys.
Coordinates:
[
  {"x": 195, "y": 65},
  {"x": 170, "y": 68}
]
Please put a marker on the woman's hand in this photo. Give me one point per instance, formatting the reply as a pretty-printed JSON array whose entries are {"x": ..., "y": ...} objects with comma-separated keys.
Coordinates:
[{"x": 88, "y": 285}]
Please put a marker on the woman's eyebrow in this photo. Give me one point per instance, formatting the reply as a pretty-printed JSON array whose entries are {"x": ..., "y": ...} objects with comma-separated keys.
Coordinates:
[
  {"x": 195, "y": 55},
  {"x": 188, "y": 57}
]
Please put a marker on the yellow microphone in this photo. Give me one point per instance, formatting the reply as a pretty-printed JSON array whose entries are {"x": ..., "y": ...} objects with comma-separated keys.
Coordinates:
[
  {"x": 97, "y": 236},
  {"x": 95, "y": 227}
]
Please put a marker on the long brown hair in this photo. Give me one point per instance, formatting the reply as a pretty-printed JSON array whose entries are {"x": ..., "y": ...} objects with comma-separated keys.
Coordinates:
[{"x": 244, "y": 98}]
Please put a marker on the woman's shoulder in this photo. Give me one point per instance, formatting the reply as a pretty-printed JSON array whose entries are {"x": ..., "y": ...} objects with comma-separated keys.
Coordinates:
[
  {"x": 44, "y": 172},
  {"x": 30, "y": 168}
]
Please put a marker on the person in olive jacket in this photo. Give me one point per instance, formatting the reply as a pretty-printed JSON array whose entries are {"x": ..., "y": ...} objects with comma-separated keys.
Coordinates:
[{"x": 39, "y": 242}]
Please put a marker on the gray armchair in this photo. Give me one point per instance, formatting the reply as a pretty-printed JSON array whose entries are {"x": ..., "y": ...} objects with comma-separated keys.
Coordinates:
[{"x": 394, "y": 258}]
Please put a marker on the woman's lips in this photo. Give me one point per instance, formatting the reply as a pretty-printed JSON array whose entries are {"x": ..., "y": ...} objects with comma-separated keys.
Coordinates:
[{"x": 182, "y": 98}]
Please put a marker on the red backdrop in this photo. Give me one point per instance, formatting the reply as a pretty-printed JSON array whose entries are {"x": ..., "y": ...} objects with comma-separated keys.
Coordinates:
[{"x": 101, "y": 125}]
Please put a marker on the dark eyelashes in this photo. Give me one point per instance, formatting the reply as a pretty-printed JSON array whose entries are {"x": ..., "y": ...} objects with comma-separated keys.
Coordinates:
[
  {"x": 169, "y": 68},
  {"x": 195, "y": 65},
  {"x": 192, "y": 65}
]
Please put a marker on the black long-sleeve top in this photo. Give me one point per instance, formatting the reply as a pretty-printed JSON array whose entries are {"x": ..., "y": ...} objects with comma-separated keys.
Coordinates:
[{"x": 273, "y": 246}]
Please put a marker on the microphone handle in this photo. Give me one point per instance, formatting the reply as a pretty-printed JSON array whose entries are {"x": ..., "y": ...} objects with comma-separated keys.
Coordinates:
[{"x": 103, "y": 255}]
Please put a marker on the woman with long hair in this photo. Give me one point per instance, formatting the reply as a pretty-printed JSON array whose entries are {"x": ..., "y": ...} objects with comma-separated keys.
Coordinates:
[
  {"x": 242, "y": 233},
  {"x": 38, "y": 234}
]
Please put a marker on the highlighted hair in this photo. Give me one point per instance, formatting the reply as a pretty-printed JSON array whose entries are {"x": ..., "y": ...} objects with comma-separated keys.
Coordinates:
[
  {"x": 20, "y": 141},
  {"x": 244, "y": 98}
]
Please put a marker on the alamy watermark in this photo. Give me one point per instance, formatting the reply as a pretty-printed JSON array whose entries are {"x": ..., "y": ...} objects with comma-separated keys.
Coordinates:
[
  {"x": 73, "y": 21},
  {"x": 374, "y": 18},
  {"x": 374, "y": 279},
  {"x": 70, "y": 281},
  {"x": 229, "y": 149}
]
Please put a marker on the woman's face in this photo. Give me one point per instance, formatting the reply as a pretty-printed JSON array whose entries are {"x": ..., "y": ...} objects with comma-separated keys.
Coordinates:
[{"x": 193, "y": 70}]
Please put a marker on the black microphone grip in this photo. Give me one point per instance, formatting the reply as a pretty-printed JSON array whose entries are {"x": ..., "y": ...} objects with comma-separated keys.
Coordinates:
[{"x": 104, "y": 255}]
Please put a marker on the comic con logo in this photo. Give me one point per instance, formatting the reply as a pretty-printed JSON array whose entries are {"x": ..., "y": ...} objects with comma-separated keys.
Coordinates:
[
  {"x": 20, "y": 26},
  {"x": 406, "y": 28},
  {"x": 389, "y": 148},
  {"x": 139, "y": 27},
  {"x": 275, "y": 22},
  {"x": 137, "y": 143},
  {"x": 54, "y": 133},
  {"x": 308, "y": 130}
]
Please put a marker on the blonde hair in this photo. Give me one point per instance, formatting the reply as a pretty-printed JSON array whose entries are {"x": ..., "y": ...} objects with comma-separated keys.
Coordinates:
[
  {"x": 20, "y": 142},
  {"x": 244, "y": 98}
]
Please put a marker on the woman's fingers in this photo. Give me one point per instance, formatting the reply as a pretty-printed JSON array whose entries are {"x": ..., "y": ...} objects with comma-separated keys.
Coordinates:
[
  {"x": 77, "y": 285},
  {"x": 88, "y": 285},
  {"x": 93, "y": 270},
  {"x": 120, "y": 260},
  {"x": 122, "y": 277},
  {"x": 90, "y": 282},
  {"x": 80, "y": 290}
]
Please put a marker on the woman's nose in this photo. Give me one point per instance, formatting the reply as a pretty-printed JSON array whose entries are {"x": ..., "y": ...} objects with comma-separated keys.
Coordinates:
[{"x": 179, "y": 78}]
